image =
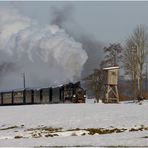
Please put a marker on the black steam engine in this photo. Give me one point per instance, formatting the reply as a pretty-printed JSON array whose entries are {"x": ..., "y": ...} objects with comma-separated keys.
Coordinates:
[
  {"x": 74, "y": 93},
  {"x": 69, "y": 93}
]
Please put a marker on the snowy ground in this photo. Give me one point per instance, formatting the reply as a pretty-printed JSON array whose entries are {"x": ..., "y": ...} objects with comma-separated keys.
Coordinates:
[{"x": 124, "y": 124}]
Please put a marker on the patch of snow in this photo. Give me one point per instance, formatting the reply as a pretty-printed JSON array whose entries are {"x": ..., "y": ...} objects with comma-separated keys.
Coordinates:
[{"x": 71, "y": 116}]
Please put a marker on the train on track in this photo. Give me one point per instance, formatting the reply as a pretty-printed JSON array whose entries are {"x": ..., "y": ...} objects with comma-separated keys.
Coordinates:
[{"x": 68, "y": 93}]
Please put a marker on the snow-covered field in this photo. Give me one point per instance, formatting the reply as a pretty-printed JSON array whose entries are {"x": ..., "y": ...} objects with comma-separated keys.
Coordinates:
[{"x": 124, "y": 124}]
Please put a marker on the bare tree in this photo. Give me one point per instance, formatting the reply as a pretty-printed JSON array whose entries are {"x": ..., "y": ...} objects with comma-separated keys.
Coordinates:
[
  {"x": 95, "y": 83},
  {"x": 130, "y": 65},
  {"x": 112, "y": 55},
  {"x": 135, "y": 56}
]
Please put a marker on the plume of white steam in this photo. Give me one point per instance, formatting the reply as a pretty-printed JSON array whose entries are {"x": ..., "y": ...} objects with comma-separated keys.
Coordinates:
[{"x": 46, "y": 53}]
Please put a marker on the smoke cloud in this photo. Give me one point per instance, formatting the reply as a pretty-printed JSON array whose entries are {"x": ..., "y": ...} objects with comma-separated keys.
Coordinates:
[
  {"x": 63, "y": 17},
  {"x": 47, "y": 54},
  {"x": 60, "y": 16}
]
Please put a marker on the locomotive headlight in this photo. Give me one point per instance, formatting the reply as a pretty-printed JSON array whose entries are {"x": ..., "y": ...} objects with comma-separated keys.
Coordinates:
[
  {"x": 85, "y": 96},
  {"x": 74, "y": 96}
]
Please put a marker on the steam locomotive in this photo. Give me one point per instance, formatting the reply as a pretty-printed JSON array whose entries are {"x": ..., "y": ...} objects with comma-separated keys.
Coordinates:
[
  {"x": 74, "y": 93},
  {"x": 68, "y": 93}
]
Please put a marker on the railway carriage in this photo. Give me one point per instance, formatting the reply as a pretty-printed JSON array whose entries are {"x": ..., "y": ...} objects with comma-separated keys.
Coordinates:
[{"x": 68, "y": 93}]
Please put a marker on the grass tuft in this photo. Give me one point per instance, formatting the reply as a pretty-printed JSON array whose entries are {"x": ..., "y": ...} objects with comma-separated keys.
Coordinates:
[
  {"x": 11, "y": 127},
  {"x": 18, "y": 137}
]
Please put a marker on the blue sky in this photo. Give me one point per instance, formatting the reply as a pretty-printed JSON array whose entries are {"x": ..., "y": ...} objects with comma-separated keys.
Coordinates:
[{"x": 106, "y": 21}]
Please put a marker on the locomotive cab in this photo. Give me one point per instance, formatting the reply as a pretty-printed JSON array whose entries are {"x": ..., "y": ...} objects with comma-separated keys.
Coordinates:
[{"x": 73, "y": 93}]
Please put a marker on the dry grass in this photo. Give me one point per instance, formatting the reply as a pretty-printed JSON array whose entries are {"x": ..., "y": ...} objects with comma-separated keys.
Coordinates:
[
  {"x": 11, "y": 127},
  {"x": 75, "y": 129},
  {"x": 93, "y": 131},
  {"x": 145, "y": 137},
  {"x": 47, "y": 129},
  {"x": 18, "y": 137},
  {"x": 52, "y": 130}
]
